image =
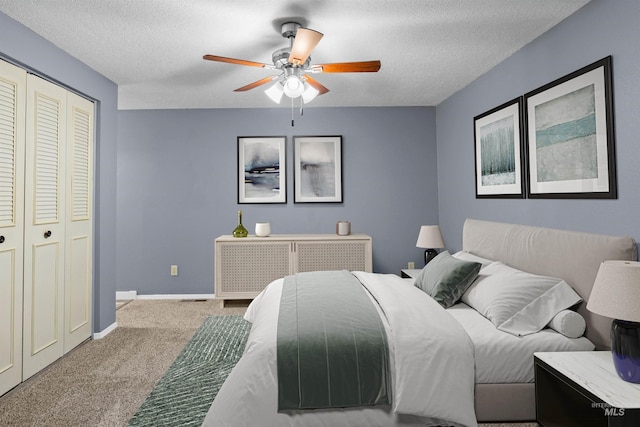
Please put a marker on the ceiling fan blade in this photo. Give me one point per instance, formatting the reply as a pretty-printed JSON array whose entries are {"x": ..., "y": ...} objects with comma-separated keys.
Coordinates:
[
  {"x": 256, "y": 84},
  {"x": 236, "y": 61},
  {"x": 316, "y": 85},
  {"x": 304, "y": 42},
  {"x": 347, "y": 67}
]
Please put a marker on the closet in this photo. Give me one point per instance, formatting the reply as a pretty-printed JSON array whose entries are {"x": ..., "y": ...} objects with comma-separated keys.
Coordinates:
[{"x": 46, "y": 199}]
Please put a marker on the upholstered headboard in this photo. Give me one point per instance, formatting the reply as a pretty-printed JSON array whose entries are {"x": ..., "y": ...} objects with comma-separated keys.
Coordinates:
[{"x": 569, "y": 255}]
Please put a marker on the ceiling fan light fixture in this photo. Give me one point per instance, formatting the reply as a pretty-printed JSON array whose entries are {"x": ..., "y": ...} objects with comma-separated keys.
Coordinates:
[
  {"x": 275, "y": 92},
  {"x": 309, "y": 93},
  {"x": 293, "y": 86},
  {"x": 294, "y": 62}
]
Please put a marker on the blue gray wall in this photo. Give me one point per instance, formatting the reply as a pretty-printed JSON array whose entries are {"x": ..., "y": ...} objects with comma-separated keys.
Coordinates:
[
  {"x": 177, "y": 189},
  {"x": 175, "y": 177},
  {"x": 599, "y": 29},
  {"x": 23, "y": 46}
]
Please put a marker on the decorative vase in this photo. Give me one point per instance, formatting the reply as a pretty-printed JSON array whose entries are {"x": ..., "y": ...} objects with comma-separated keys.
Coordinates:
[
  {"x": 240, "y": 231},
  {"x": 343, "y": 228},
  {"x": 263, "y": 229}
]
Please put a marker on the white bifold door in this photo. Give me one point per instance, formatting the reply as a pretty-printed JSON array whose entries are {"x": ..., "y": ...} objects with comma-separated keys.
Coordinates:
[
  {"x": 78, "y": 221},
  {"x": 44, "y": 225},
  {"x": 12, "y": 114},
  {"x": 46, "y": 182}
]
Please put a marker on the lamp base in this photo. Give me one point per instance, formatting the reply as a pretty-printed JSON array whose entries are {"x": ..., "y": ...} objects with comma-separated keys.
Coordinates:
[
  {"x": 625, "y": 349},
  {"x": 429, "y": 254}
]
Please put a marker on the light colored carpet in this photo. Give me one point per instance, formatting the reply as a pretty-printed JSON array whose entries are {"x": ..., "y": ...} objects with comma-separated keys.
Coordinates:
[
  {"x": 103, "y": 382},
  {"x": 122, "y": 303}
]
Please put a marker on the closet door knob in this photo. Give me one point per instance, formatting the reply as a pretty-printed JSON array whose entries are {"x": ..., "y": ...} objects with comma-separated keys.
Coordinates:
[
  {"x": 1, "y": 239},
  {"x": 47, "y": 234}
]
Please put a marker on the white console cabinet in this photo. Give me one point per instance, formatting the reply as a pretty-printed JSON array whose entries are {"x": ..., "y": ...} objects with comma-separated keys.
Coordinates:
[{"x": 245, "y": 266}]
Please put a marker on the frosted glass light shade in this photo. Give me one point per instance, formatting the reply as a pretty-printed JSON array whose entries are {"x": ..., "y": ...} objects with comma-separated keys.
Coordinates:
[
  {"x": 309, "y": 93},
  {"x": 275, "y": 92},
  {"x": 293, "y": 86}
]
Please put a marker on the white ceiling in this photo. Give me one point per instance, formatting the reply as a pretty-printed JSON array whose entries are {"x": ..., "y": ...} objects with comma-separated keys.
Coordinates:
[{"x": 153, "y": 48}]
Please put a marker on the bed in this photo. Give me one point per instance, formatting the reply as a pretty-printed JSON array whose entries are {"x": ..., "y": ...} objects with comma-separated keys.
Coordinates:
[{"x": 462, "y": 385}]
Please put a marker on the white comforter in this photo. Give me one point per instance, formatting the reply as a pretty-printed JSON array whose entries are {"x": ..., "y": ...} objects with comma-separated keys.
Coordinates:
[{"x": 432, "y": 367}]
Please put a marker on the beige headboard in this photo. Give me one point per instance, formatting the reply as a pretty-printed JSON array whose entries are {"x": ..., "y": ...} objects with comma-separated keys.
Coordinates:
[{"x": 569, "y": 255}]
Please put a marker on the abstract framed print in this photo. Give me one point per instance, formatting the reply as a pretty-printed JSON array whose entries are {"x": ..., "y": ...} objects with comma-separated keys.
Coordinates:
[
  {"x": 498, "y": 135},
  {"x": 570, "y": 136},
  {"x": 317, "y": 169},
  {"x": 262, "y": 169}
]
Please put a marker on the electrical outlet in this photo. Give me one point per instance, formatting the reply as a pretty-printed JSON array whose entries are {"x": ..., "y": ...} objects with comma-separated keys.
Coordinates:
[
  {"x": 411, "y": 265},
  {"x": 174, "y": 270}
]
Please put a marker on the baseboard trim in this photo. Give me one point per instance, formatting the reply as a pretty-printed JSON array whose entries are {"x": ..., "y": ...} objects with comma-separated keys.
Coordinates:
[
  {"x": 178, "y": 296},
  {"x": 105, "y": 332},
  {"x": 125, "y": 295}
]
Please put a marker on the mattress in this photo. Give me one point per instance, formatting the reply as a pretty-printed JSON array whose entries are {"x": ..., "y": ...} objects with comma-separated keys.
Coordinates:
[
  {"x": 504, "y": 358},
  {"x": 431, "y": 367}
]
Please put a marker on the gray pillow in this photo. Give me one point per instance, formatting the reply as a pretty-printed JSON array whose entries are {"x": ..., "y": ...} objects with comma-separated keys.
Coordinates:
[
  {"x": 446, "y": 278},
  {"x": 568, "y": 323},
  {"x": 518, "y": 302}
]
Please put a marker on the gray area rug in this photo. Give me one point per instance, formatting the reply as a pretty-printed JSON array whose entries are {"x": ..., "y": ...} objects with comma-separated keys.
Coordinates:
[{"x": 183, "y": 396}]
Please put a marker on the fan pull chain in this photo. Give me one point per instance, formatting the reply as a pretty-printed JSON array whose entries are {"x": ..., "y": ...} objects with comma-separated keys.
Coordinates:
[{"x": 301, "y": 110}]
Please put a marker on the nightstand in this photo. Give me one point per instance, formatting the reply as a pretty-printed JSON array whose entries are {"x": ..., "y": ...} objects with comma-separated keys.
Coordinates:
[
  {"x": 410, "y": 273},
  {"x": 582, "y": 388}
]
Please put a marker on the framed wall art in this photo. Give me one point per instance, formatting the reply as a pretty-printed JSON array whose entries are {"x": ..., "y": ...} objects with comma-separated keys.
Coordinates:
[
  {"x": 498, "y": 135},
  {"x": 262, "y": 169},
  {"x": 317, "y": 169},
  {"x": 570, "y": 136}
]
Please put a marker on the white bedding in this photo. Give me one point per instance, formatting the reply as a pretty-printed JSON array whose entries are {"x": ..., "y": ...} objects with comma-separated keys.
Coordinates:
[
  {"x": 504, "y": 358},
  {"x": 432, "y": 367}
]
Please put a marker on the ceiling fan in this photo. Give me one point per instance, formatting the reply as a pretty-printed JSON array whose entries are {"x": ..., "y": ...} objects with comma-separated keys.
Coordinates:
[{"x": 294, "y": 63}]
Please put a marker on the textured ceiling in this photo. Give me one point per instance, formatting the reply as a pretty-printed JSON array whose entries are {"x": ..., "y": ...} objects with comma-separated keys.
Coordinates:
[{"x": 153, "y": 48}]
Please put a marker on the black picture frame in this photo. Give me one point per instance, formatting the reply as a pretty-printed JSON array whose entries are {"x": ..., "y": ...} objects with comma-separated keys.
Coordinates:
[
  {"x": 261, "y": 169},
  {"x": 570, "y": 136},
  {"x": 317, "y": 168},
  {"x": 499, "y": 152}
]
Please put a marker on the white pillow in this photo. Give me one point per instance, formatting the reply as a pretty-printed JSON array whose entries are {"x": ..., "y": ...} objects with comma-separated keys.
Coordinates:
[
  {"x": 517, "y": 302},
  {"x": 468, "y": 256},
  {"x": 569, "y": 323}
]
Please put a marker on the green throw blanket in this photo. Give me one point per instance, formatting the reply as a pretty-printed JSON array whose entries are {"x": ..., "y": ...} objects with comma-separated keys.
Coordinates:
[{"x": 332, "y": 349}]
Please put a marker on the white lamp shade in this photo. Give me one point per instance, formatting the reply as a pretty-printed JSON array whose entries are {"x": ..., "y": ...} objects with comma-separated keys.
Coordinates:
[
  {"x": 430, "y": 237},
  {"x": 275, "y": 92},
  {"x": 616, "y": 291}
]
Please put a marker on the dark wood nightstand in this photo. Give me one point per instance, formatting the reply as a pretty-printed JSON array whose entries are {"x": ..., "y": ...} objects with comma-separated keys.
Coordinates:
[{"x": 582, "y": 389}]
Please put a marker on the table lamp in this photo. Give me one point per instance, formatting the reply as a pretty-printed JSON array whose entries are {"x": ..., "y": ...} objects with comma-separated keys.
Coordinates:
[
  {"x": 431, "y": 239},
  {"x": 616, "y": 294}
]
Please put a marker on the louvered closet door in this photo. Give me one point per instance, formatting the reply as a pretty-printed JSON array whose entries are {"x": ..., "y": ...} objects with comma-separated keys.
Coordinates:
[
  {"x": 12, "y": 91},
  {"x": 44, "y": 225},
  {"x": 78, "y": 252}
]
